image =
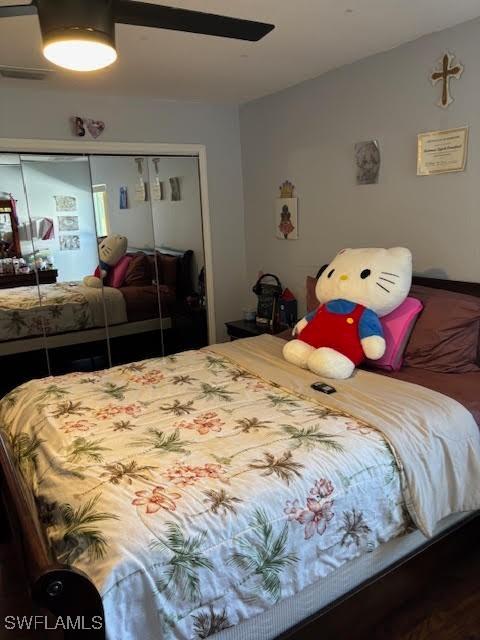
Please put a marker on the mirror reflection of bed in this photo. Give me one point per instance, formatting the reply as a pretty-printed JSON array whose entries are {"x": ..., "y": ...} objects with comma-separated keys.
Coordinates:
[{"x": 54, "y": 212}]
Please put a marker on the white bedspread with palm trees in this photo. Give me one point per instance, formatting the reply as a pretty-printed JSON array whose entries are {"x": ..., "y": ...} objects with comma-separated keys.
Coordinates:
[
  {"x": 195, "y": 494},
  {"x": 26, "y": 312}
]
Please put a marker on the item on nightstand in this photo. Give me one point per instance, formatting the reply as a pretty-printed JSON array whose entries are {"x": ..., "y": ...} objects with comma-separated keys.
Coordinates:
[
  {"x": 111, "y": 252},
  {"x": 6, "y": 266},
  {"x": 288, "y": 308},
  {"x": 268, "y": 296},
  {"x": 357, "y": 288},
  {"x": 249, "y": 315}
]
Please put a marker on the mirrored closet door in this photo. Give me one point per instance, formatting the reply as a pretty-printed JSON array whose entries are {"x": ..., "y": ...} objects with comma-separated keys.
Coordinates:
[
  {"x": 23, "y": 352},
  {"x": 178, "y": 237},
  {"x": 64, "y": 238},
  {"x": 58, "y": 216},
  {"x": 121, "y": 189},
  {"x": 154, "y": 202}
]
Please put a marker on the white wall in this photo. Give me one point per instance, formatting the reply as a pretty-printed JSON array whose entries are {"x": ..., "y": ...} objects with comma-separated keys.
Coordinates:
[
  {"x": 306, "y": 134},
  {"x": 25, "y": 113}
]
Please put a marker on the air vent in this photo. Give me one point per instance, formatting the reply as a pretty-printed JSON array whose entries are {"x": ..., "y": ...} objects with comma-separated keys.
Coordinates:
[{"x": 24, "y": 73}]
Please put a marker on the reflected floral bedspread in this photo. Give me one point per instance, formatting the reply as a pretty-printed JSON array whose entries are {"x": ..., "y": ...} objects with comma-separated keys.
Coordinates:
[{"x": 60, "y": 307}]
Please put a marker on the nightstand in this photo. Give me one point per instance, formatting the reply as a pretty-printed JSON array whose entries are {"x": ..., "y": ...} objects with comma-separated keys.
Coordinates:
[{"x": 248, "y": 329}]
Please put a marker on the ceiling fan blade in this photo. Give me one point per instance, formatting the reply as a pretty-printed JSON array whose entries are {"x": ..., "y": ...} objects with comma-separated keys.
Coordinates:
[
  {"x": 162, "y": 17},
  {"x": 17, "y": 10}
]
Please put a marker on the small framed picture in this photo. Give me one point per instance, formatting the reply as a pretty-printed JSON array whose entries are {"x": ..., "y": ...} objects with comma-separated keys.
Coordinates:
[
  {"x": 69, "y": 243},
  {"x": 65, "y": 203},
  {"x": 68, "y": 223},
  {"x": 286, "y": 218},
  {"x": 367, "y": 160}
]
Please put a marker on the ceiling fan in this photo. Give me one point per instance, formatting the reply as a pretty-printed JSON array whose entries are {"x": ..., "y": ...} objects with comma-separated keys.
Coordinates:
[{"x": 80, "y": 34}]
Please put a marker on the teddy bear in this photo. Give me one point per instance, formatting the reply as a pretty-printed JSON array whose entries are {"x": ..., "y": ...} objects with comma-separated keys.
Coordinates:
[
  {"x": 354, "y": 291},
  {"x": 110, "y": 251}
]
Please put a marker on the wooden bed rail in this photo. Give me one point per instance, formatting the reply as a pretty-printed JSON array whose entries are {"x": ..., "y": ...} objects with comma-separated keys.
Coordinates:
[{"x": 62, "y": 590}]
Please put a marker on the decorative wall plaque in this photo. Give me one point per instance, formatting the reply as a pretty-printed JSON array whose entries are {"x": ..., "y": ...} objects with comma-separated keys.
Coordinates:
[
  {"x": 447, "y": 70},
  {"x": 442, "y": 151},
  {"x": 286, "y": 216}
]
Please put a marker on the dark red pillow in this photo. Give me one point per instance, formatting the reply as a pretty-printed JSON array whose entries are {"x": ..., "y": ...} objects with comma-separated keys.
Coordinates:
[{"x": 446, "y": 336}]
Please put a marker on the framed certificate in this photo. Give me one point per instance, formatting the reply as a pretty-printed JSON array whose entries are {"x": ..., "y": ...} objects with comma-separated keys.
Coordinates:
[{"x": 442, "y": 151}]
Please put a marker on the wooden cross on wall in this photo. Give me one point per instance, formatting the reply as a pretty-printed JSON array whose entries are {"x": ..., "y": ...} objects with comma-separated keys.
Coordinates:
[{"x": 447, "y": 72}]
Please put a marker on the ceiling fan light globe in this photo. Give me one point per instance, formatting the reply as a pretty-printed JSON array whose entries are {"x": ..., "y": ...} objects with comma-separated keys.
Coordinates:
[{"x": 80, "y": 50}]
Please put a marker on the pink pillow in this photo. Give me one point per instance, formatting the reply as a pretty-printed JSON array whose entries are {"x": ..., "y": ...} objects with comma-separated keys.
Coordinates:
[
  {"x": 397, "y": 328},
  {"x": 116, "y": 275}
]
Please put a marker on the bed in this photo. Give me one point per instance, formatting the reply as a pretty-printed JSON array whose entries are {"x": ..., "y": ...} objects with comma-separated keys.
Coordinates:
[
  {"x": 215, "y": 491},
  {"x": 70, "y": 313}
]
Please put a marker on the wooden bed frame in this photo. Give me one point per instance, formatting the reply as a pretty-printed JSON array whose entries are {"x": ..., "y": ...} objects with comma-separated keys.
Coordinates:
[{"x": 64, "y": 591}]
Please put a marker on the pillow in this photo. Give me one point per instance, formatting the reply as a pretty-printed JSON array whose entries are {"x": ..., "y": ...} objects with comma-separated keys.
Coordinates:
[
  {"x": 138, "y": 271},
  {"x": 446, "y": 335},
  {"x": 397, "y": 327},
  {"x": 116, "y": 274}
]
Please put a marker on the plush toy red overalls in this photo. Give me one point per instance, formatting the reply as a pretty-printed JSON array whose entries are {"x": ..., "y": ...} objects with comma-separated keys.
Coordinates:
[{"x": 341, "y": 325}]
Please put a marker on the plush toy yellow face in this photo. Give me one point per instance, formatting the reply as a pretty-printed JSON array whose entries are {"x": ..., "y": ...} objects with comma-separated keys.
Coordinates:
[
  {"x": 378, "y": 279},
  {"x": 112, "y": 248}
]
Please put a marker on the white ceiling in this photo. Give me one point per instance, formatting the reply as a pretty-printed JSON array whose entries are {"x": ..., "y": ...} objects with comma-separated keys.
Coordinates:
[{"x": 310, "y": 38}]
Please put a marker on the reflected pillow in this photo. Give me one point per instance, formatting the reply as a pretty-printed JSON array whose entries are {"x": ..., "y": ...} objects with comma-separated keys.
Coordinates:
[
  {"x": 167, "y": 266},
  {"x": 397, "y": 328},
  {"x": 116, "y": 275},
  {"x": 138, "y": 271}
]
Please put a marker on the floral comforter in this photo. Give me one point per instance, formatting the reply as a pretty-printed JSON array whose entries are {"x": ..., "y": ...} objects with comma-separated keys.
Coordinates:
[
  {"x": 61, "y": 307},
  {"x": 195, "y": 494}
]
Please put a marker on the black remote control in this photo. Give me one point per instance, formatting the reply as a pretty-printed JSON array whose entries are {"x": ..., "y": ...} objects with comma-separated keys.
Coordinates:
[{"x": 324, "y": 388}]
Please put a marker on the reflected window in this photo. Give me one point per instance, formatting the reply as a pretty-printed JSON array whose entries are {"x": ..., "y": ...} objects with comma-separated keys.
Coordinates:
[{"x": 100, "y": 203}]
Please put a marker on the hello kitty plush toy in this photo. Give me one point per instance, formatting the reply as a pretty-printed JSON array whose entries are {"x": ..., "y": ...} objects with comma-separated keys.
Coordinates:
[
  {"x": 110, "y": 251},
  {"x": 355, "y": 291}
]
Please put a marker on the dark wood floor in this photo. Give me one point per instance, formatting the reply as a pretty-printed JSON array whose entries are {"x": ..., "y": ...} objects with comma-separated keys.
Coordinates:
[{"x": 435, "y": 596}]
